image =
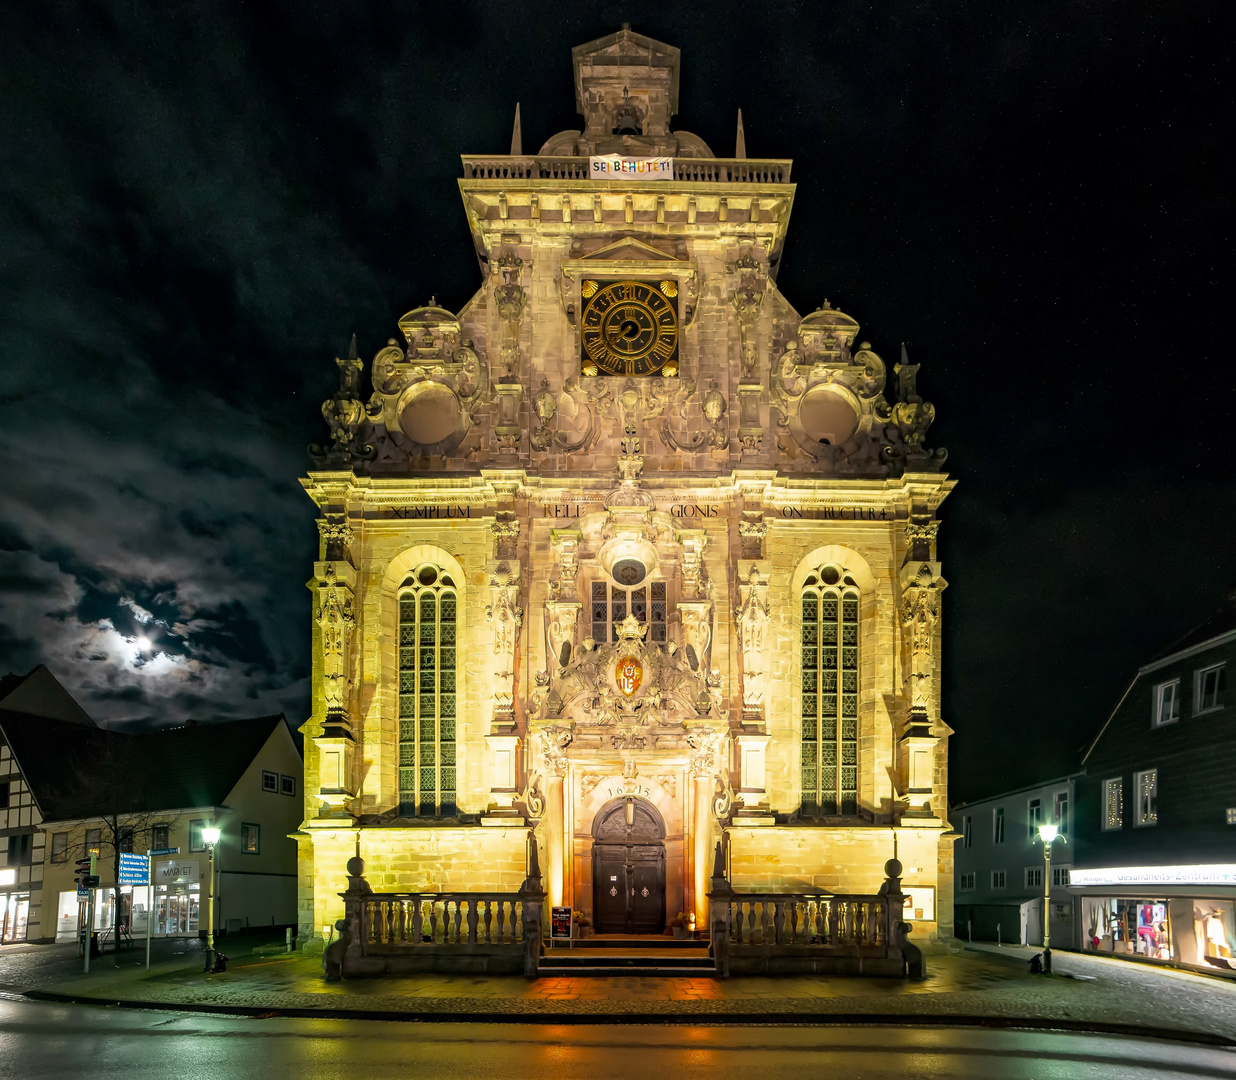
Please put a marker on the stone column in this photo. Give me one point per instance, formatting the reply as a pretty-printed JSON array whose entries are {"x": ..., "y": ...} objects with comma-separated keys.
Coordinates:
[
  {"x": 704, "y": 743},
  {"x": 553, "y": 744}
]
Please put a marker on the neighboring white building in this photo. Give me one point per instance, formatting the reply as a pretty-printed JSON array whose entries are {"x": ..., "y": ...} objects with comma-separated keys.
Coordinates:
[{"x": 998, "y": 861}]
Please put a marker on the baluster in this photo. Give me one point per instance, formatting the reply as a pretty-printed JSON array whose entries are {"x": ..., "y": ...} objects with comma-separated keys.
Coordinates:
[
  {"x": 416, "y": 921},
  {"x": 387, "y": 916},
  {"x": 779, "y": 922},
  {"x": 433, "y": 921},
  {"x": 472, "y": 919},
  {"x": 517, "y": 921},
  {"x": 750, "y": 922},
  {"x": 458, "y": 918},
  {"x": 489, "y": 917},
  {"x": 834, "y": 922}
]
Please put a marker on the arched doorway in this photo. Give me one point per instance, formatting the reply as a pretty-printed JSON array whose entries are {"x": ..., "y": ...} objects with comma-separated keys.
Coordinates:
[{"x": 628, "y": 868}]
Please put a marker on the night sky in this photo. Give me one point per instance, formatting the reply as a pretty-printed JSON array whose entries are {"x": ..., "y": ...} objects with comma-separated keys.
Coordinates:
[{"x": 199, "y": 203}]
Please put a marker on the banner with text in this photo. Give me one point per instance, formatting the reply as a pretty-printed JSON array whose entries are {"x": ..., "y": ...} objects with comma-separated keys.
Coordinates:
[{"x": 615, "y": 166}]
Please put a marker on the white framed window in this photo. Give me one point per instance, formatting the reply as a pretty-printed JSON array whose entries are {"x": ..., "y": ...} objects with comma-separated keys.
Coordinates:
[
  {"x": 1034, "y": 817},
  {"x": 966, "y": 882},
  {"x": 1146, "y": 785},
  {"x": 967, "y": 831},
  {"x": 1060, "y": 810},
  {"x": 1208, "y": 684},
  {"x": 1034, "y": 877},
  {"x": 1113, "y": 804},
  {"x": 997, "y": 879},
  {"x": 1166, "y": 703},
  {"x": 270, "y": 781},
  {"x": 1059, "y": 876},
  {"x": 997, "y": 825},
  {"x": 1231, "y": 815}
]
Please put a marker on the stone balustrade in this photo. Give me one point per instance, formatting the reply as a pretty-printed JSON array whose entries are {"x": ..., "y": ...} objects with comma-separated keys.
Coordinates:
[
  {"x": 811, "y": 933},
  {"x": 689, "y": 170},
  {"x": 396, "y": 933}
]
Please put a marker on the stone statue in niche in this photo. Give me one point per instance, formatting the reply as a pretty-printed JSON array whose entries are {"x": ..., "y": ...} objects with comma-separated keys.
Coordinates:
[
  {"x": 752, "y": 619},
  {"x": 920, "y": 612},
  {"x": 505, "y": 618}
]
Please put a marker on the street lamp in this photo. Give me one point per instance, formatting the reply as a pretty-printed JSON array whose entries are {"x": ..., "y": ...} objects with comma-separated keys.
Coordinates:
[
  {"x": 1048, "y": 834},
  {"x": 210, "y": 837}
]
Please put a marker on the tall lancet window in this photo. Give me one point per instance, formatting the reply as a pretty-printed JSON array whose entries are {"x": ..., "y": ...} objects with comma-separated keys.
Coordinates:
[
  {"x": 830, "y": 693},
  {"x": 427, "y": 665}
]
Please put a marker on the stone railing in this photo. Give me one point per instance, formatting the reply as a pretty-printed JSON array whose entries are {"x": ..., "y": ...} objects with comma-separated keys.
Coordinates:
[
  {"x": 455, "y": 932},
  {"x": 689, "y": 170},
  {"x": 811, "y": 933}
]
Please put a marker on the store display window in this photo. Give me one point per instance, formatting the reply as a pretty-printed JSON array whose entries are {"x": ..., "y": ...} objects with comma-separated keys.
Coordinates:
[{"x": 1215, "y": 932}]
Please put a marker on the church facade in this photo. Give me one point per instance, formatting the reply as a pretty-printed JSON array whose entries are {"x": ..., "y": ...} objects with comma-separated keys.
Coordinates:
[{"x": 627, "y": 557}]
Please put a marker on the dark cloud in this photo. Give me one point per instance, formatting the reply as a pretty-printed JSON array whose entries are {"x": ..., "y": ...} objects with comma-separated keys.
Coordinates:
[{"x": 199, "y": 203}]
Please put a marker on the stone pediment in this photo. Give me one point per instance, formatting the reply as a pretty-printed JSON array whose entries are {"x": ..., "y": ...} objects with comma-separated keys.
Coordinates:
[{"x": 629, "y": 249}]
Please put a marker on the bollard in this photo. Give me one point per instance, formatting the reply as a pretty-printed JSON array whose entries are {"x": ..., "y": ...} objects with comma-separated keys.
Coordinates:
[
  {"x": 288, "y": 938},
  {"x": 969, "y": 932},
  {"x": 998, "y": 941}
]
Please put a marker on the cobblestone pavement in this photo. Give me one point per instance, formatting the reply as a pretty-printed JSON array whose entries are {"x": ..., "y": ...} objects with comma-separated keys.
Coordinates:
[{"x": 965, "y": 983}]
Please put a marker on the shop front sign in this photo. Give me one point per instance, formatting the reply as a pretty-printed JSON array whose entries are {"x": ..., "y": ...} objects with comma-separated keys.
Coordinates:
[{"x": 1218, "y": 874}]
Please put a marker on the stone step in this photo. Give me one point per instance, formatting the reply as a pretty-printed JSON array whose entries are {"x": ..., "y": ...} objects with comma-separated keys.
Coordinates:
[{"x": 648, "y": 969}]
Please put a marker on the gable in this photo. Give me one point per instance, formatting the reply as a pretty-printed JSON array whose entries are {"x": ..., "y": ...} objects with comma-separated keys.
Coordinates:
[
  {"x": 40, "y": 694},
  {"x": 629, "y": 250}
]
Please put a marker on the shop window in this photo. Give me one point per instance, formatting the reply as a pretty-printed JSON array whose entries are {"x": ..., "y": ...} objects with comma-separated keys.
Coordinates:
[
  {"x": 270, "y": 781},
  {"x": 997, "y": 879},
  {"x": 250, "y": 838},
  {"x": 196, "y": 840},
  {"x": 1034, "y": 817},
  {"x": 829, "y": 666},
  {"x": 967, "y": 882},
  {"x": 1113, "y": 804},
  {"x": 1166, "y": 703},
  {"x": 287, "y": 785},
  {"x": 60, "y": 847},
  {"x": 19, "y": 849},
  {"x": 966, "y": 831},
  {"x": 160, "y": 837},
  {"x": 1034, "y": 877},
  {"x": 1060, "y": 811},
  {"x": 1146, "y": 784},
  {"x": 1215, "y": 931},
  {"x": 1208, "y": 685},
  {"x": 997, "y": 825},
  {"x": 1060, "y": 876},
  {"x": 428, "y": 630}
]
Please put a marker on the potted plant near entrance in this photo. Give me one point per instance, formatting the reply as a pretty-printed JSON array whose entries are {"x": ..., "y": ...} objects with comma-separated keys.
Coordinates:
[
  {"x": 583, "y": 924},
  {"x": 681, "y": 930}
]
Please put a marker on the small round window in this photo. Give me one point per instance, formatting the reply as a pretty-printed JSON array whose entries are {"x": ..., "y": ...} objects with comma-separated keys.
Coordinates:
[{"x": 628, "y": 572}]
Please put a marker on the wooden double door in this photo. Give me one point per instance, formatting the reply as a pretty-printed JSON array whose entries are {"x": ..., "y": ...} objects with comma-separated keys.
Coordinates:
[{"x": 628, "y": 888}]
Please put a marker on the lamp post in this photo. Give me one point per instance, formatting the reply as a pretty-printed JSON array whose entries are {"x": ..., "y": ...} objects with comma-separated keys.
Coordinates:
[
  {"x": 1048, "y": 834},
  {"x": 210, "y": 837}
]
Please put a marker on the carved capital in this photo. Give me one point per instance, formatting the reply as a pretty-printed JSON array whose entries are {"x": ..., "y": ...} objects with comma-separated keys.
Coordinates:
[
  {"x": 752, "y": 530},
  {"x": 336, "y": 534},
  {"x": 552, "y": 742},
  {"x": 506, "y": 536}
]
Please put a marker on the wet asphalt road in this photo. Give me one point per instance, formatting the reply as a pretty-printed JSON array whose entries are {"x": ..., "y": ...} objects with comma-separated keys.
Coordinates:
[{"x": 40, "y": 1040}]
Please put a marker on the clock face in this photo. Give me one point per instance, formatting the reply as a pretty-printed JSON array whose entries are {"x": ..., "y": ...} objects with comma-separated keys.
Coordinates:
[{"x": 630, "y": 328}]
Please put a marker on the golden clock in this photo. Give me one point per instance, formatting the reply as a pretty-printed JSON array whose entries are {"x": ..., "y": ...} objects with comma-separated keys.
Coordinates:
[{"x": 630, "y": 328}]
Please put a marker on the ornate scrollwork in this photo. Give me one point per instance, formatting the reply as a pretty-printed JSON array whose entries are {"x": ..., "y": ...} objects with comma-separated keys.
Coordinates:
[{"x": 346, "y": 417}]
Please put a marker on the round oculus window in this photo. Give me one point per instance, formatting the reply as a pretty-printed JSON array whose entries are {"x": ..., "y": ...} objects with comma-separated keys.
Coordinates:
[
  {"x": 431, "y": 412},
  {"x": 628, "y": 572}
]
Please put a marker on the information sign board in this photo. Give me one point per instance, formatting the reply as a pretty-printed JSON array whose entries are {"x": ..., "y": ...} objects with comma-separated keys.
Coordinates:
[
  {"x": 134, "y": 869},
  {"x": 166, "y": 851},
  {"x": 560, "y": 922}
]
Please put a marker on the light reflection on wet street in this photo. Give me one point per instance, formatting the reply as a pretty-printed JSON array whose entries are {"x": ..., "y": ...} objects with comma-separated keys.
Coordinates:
[{"x": 40, "y": 1040}]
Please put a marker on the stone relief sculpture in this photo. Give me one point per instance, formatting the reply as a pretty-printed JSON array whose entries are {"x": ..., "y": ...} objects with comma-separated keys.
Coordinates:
[
  {"x": 751, "y": 617},
  {"x": 920, "y": 611},
  {"x": 748, "y": 301},
  {"x": 505, "y": 617},
  {"x": 345, "y": 416},
  {"x": 338, "y": 626}
]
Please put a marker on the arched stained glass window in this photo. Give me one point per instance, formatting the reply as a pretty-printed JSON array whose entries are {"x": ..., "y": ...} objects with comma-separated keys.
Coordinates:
[
  {"x": 427, "y": 693},
  {"x": 829, "y": 693}
]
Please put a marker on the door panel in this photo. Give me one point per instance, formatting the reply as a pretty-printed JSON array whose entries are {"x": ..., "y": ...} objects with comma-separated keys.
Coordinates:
[
  {"x": 628, "y": 890},
  {"x": 609, "y": 890},
  {"x": 647, "y": 915}
]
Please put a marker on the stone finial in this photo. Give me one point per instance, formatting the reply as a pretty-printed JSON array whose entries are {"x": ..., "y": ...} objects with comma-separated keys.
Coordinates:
[
  {"x": 517, "y": 138},
  {"x": 740, "y": 143}
]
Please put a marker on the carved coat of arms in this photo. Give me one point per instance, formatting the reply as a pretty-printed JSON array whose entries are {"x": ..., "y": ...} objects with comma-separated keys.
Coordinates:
[{"x": 628, "y": 673}]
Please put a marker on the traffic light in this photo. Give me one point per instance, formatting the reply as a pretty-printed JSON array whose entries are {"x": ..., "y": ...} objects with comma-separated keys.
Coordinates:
[{"x": 85, "y": 873}]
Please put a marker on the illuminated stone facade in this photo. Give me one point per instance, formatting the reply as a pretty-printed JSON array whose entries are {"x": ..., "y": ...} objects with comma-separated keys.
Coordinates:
[{"x": 628, "y": 615}]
